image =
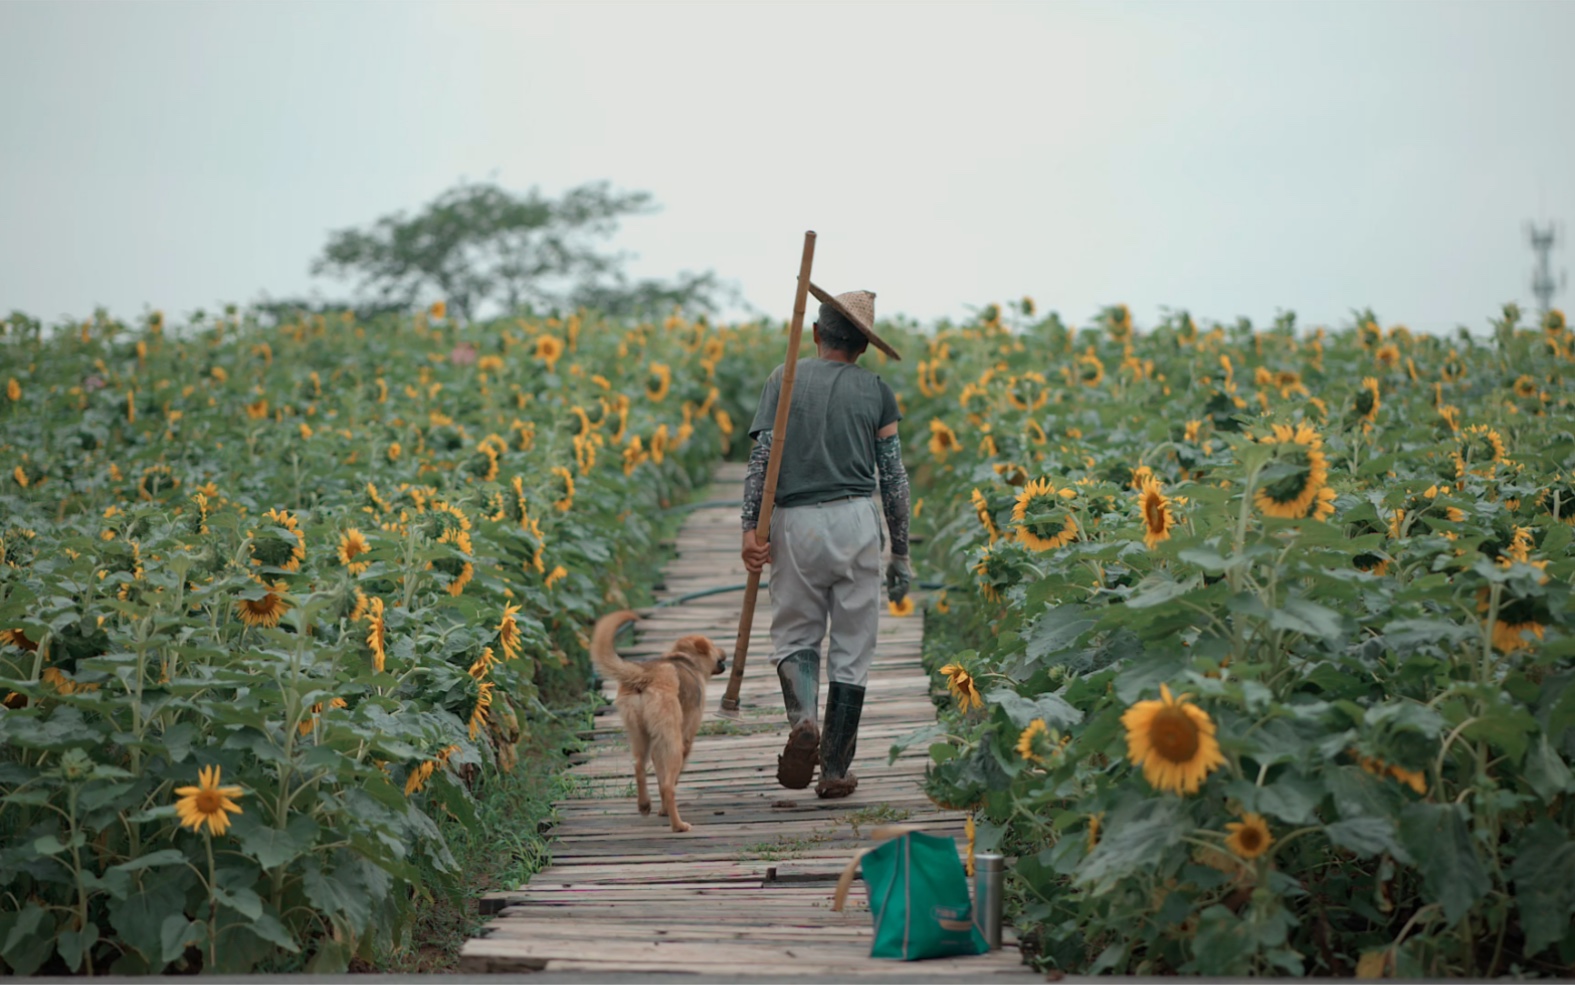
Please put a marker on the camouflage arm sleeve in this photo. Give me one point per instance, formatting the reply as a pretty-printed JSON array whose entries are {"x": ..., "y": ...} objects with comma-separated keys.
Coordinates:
[
  {"x": 755, "y": 479},
  {"x": 893, "y": 491}
]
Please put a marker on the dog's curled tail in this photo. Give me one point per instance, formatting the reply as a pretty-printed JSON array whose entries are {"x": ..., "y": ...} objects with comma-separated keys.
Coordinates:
[{"x": 603, "y": 654}]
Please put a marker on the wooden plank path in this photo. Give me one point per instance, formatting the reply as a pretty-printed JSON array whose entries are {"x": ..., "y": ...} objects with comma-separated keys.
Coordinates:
[{"x": 748, "y": 891}]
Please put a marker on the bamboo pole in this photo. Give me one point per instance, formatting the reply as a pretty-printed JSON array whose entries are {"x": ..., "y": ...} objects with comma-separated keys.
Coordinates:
[{"x": 746, "y": 620}]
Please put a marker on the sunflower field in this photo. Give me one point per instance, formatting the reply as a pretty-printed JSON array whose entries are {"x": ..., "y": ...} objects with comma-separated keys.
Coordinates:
[
  {"x": 1257, "y": 650},
  {"x": 274, "y": 596}
]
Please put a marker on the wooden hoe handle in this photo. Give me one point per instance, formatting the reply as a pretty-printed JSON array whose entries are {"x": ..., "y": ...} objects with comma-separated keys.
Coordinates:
[{"x": 774, "y": 465}]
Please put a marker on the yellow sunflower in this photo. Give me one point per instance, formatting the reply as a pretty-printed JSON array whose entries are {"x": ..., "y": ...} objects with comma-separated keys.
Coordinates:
[
  {"x": 419, "y": 776},
  {"x": 1525, "y": 387},
  {"x": 962, "y": 686},
  {"x": 1553, "y": 322},
  {"x": 484, "y": 664},
  {"x": 377, "y": 634},
  {"x": 352, "y": 544},
  {"x": 633, "y": 455},
  {"x": 264, "y": 611},
  {"x": 549, "y": 349},
  {"x": 1173, "y": 741},
  {"x": 585, "y": 452},
  {"x": 994, "y": 573},
  {"x": 1157, "y": 518},
  {"x": 1036, "y": 433},
  {"x": 1481, "y": 443},
  {"x": 1367, "y": 401},
  {"x": 509, "y": 633},
  {"x": 1025, "y": 741},
  {"x": 1011, "y": 473},
  {"x": 1521, "y": 620},
  {"x": 658, "y": 382},
  {"x": 1387, "y": 356},
  {"x": 557, "y": 574},
  {"x": 1089, "y": 370},
  {"x": 1249, "y": 837},
  {"x": 305, "y": 728},
  {"x": 1414, "y": 779},
  {"x": 155, "y": 481},
  {"x": 207, "y": 803},
  {"x": 284, "y": 553},
  {"x": 18, "y": 639},
  {"x": 1299, "y": 484},
  {"x": 478, "y": 716},
  {"x": 903, "y": 608},
  {"x": 565, "y": 502},
  {"x": 659, "y": 445},
  {"x": 460, "y": 571},
  {"x": 1035, "y": 516},
  {"x": 943, "y": 439},
  {"x": 1372, "y": 563},
  {"x": 13, "y": 390},
  {"x": 1289, "y": 382},
  {"x": 981, "y": 506}
]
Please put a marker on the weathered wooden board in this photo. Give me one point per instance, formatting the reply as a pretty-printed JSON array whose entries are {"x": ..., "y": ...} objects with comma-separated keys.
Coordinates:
[{"x": 747, "y": 892}]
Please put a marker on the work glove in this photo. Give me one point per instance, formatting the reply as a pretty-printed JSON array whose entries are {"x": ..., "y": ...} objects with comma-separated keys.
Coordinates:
[{"x": 898, "y": 577}]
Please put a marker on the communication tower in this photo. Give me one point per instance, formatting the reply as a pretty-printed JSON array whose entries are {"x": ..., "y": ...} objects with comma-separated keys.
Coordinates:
[{"x": 1542, "y": 283}]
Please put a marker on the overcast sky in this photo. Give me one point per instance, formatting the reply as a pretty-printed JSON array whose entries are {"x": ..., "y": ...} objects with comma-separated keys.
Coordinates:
[{"x": 1228, "y": 158}]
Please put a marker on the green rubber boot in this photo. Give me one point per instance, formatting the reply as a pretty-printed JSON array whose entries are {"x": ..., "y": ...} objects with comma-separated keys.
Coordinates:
[
  {"x": 840, "y": 740},
  {"x": 799, "y": 673}
]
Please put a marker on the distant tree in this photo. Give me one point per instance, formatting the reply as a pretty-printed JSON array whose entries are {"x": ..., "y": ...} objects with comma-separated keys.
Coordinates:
[{"x": 478, "y": 242}]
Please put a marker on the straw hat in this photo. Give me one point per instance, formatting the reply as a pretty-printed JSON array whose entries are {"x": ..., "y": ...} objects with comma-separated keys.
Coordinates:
[{"x": 857, "y": 307}]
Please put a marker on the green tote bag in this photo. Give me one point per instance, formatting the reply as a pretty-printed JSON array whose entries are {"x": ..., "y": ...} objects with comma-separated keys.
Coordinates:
[{"x": 918, "y": 897}]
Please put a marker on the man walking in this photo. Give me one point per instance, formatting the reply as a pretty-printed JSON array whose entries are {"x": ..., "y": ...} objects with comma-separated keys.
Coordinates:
[{"x": 825, "y": 540}]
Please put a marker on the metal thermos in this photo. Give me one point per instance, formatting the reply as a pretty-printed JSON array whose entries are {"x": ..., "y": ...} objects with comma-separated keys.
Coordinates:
[{"x": 989, "y": 875}]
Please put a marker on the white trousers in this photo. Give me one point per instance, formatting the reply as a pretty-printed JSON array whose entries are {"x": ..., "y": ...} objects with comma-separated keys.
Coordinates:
[{"x": 825, "y": 569}]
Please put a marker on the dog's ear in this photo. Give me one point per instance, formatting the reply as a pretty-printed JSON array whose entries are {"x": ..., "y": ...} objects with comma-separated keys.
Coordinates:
[
  {"x": 701, "y": 650},
  {"x": 691, "y": 646}
]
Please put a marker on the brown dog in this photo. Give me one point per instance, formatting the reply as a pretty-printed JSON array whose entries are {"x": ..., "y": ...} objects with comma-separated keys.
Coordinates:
[{"x": 662, "y": 702}]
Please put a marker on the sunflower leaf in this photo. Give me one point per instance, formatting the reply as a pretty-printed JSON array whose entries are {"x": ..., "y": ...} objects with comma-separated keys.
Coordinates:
[
  {"x": 1051, "y": 708},
  {"x": 1300, "y": 615},
  {"x": 1057, "y": 628},
  {"x": 1367, "y": 836},
  {"x": 269, "y": 846},
  {"x": 1452, "y": 874},
  {"x": 1544, "y": 878},
  {"x": 1136, "y": 839}
]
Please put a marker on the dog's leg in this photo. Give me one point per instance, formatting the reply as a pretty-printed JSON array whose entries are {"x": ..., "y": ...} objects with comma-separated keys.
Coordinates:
[
  {"x": 640, "y": 747},
  {"x": 668, "y": 765}
]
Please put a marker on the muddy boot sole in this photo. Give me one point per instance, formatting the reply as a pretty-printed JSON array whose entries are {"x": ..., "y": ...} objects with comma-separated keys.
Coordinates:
[
  {"x": 831, "y": 788},
  {"x": 796, "y": 765}
]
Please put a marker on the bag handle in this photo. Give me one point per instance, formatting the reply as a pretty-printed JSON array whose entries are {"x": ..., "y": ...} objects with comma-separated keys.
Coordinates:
[{"x": 845, "y": 881}]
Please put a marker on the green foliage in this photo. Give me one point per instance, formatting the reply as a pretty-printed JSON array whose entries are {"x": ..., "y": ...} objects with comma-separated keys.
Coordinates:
[
  {"x": 478, "y": 242},
  {"x": 182, "y": 591},
  {"x": 1384, "y": 652}
]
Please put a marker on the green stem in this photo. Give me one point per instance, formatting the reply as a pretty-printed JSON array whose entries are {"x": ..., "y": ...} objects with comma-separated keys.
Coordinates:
[
  {"x": 76, "y": 870},
  {"x": 1495, "y": 597},
  {"x": 213, "y": 905}
]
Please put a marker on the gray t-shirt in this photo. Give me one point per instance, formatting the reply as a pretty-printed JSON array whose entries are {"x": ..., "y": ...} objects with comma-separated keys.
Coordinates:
[{"x": 829, "y": 450}]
